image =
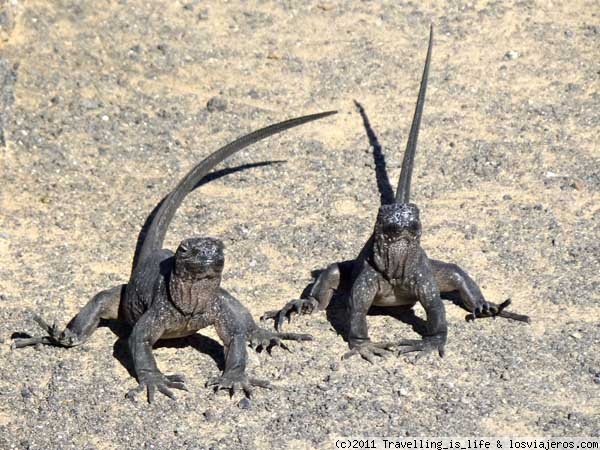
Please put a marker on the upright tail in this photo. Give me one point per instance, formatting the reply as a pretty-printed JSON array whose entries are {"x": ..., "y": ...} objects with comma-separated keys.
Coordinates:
[
  {"x": 157, "y": 229},
  {"x": 403, "y": 191}
]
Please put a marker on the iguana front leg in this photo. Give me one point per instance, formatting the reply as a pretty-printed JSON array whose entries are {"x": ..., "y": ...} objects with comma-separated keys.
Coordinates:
[
  {"x": 451, "y": 278},
  {"x": 234, "y": 376},
  {"x": 147, "y": 330},
  {"x": 427, "y": 292},
  {"x": 363, "y": 293},
  {"x": 330, "y": 280},
  {"x": 236, "y": 327},
  {"x": 104, "y": 305}
]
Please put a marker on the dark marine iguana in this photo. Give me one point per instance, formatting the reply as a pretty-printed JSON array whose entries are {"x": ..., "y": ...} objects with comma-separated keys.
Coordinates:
[
  {"x": 393, "y": 270},
  {"x": 174, "y": 295}
]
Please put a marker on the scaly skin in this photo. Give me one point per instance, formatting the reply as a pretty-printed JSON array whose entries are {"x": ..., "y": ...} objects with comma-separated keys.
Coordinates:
[
  {"x": 393, "y": 270},
  {"x": 174, "y": 295}
]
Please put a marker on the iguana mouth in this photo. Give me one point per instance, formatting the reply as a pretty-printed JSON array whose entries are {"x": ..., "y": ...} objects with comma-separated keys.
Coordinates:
[
  {"x": 204, "y": 265},
  {"x": 397, "y": 235}
]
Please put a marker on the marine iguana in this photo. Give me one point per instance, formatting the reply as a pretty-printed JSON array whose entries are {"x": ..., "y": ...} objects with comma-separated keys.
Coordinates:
[
  {"x": 174, "y": 295},
  {"x": 393, "y": 270}
]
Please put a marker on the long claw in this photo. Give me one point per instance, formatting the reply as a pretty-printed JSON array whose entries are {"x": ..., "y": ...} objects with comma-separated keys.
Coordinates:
[
  {"x": 295, "y": 336},
  {"x": 132, "y": 393},
  {"x": 299, "y": 306},
  {"x": 26, "y": 342},
  {"x": 504, "y": 304},
  {"x": 247, "y": 390},
  {"x": 423, "y": 347},
  {"x": 498, "y": 311},
  {"x": 165, "y": 390},
  {"x": 368, "y": 351},
  {"x": 177, "y": 385},
  {"x": 266, "y": 340},
  {"x": 379, "y": 352},
  {"x": 151, "y": 382},
  {"x": 260, "y": 383},
  {"x": 350, "y": 353},
  {"x": 151, "y": 391},
  {"x": 409, "y": 349},
  {"x": 237, "y": 383},
  {"x": 442, "y": 351},
  {"x": 280, "y": 320},
  {"x": 178, "y": 378},
  {"x": 409, "y": 342},
  {"x": 43, "y": 324}
]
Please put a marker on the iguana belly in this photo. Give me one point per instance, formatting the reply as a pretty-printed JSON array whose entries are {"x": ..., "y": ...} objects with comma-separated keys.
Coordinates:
[
  {"x": 389, "y": 295},
  {"x": 187, "y": 327}
]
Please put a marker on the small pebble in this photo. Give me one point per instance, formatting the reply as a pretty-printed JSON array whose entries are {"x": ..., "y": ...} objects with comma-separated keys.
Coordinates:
[
  {"x": 26, "y": 393},
  {"x": 216, "y": 104},
  {"x": 244, "y": 403}
]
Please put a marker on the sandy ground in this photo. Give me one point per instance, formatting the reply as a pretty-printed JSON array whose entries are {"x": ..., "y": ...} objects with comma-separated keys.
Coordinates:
[{"x": 103, "y": 106}]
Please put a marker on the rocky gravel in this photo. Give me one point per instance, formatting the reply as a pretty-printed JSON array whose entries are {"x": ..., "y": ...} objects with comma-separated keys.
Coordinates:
[{"x": 104, "y": 105}]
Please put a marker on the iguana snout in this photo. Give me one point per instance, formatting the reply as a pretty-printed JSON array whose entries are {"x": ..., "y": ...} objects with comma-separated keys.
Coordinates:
[{"x": 199, "y": 256}]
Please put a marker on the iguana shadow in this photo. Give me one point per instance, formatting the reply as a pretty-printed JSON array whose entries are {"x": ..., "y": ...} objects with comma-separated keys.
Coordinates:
[{"x": 386, "y": 193}]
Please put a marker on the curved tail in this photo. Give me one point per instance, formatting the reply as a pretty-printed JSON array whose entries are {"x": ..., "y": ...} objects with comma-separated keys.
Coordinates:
[
  {"x": 157, "y": 229},
  {"x": 403, "y": 191}
]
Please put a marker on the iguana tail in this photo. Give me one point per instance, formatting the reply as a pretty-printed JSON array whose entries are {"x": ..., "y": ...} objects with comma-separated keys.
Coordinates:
[
  {"x": 157, "y": 229},
  {"x": 403, "y": 191}
]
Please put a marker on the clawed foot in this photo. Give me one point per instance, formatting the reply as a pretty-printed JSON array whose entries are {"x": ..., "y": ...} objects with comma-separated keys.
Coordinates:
[
  {"x": 262, "y": 339},
  {"x": 369, "y": 350},
  {"x": 235, "y": 383},
  {"x": 423, "y": 346},
  {"x": 54, "y": 336},
  {"x": 298, "y": 306},
  {"x": 153, "y": 381},
  {"x": 493, "y": 310}
]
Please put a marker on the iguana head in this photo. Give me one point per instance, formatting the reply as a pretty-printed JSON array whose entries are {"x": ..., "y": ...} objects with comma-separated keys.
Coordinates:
[
  {"x": 398, "y": 221},
  {"x": 199, "y": 257}
]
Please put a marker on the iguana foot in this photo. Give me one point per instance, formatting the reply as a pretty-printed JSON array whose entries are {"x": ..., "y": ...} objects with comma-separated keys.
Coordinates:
[
  {"x": 493, "y": 310},
  {"x": 152, "y": 381},
  {"x": 423, "y": 346},
  {"x": 235, "y": 383},
  {"x": 369, "y": 350},
  {"x": 264, "y": 339},
  {"x": 54, "y": 336},
  {"x": 298, "y": 306}
]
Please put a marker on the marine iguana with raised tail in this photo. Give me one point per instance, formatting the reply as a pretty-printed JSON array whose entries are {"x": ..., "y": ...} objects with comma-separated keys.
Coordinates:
[
  {"x": 393, "y": 270},
  {"x": 174, "y": 295}
]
